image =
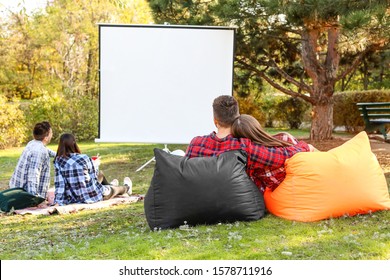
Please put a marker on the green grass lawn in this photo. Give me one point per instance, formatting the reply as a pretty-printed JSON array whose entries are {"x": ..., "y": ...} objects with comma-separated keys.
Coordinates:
[{"x": 121, "y": 232}]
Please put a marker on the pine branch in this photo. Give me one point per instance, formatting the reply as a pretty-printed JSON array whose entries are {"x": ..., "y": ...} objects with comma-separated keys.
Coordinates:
[
  {"x": 273, "y": 83},
  {"x": 299, "y": 84},
  {"x": 353, "y": 66}
]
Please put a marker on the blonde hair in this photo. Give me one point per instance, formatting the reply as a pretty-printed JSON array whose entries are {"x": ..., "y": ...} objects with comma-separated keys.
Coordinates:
[{"x": 246, "y": 126}]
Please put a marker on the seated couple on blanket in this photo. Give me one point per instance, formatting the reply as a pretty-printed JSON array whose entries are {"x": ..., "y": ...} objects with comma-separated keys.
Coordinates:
[{"x": 77, "y": 176}]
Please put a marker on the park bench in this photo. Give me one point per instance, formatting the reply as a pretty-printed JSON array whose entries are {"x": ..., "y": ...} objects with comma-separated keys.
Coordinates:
[{"x": 376, "y": 116}]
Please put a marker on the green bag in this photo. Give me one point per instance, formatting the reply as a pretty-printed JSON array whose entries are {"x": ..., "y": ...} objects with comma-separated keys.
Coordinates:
[{"x": 18, "y": 198}]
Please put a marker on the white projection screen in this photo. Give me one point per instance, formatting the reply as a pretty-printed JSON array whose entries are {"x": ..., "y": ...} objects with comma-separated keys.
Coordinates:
[{"x": 158, "y": 82}]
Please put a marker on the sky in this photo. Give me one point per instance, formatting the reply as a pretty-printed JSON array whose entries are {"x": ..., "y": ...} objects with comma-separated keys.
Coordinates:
[{"x": 29, "y": 4}]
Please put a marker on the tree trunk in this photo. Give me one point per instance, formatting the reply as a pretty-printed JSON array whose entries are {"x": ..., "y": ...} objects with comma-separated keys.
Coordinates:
[
  {"x": 88, "y": 88},
  {"x": 343, "y": 84},
  {"x": 323, "y": 74},
  {"x": 382, "y": 68},
  {"x": 322, "y": 120},
  {"x": 365, "y": 75}
]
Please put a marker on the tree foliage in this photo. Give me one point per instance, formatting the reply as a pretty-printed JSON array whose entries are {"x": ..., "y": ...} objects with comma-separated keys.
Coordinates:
[
  {"x": 56, "y": 48},
  {"x": 12, "y": 123},
  {"x": 50, "y": 57},
  {"x": 294, "y": 45},
  {"x": 66, "y": 113}
]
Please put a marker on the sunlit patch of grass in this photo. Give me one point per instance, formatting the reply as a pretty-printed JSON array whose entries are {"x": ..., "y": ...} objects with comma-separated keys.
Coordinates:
[{"x": 300, "y": 133}]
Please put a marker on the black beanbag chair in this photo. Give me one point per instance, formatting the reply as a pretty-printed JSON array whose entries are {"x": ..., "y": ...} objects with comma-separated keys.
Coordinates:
[{"x": 203, "y": 190}]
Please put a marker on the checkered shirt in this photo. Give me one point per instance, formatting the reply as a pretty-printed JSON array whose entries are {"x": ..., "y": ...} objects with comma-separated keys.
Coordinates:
[
  {"x": 265, "y": 165},
  {"x": 76, "y": 180},
  {"x": 32, "y": 173}
]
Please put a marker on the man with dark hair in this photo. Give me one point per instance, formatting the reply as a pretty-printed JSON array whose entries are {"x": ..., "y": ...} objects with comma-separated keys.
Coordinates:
[
  {"x": 265, "y": 165},
  {"x": 32, "y": 173},
  {"x": 226, "y": 110}
]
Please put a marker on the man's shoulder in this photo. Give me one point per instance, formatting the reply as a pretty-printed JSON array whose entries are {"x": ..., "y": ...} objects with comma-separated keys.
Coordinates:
[
  {"x": 199, "y": 139},
  {"x": 35, "y": 145},
  {"x": 244, "y": 142},
  {"x": 35, "y": 149}
]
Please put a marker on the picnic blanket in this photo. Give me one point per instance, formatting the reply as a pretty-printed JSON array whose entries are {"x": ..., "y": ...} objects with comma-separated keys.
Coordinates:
[{"x": 45, "y": 207}]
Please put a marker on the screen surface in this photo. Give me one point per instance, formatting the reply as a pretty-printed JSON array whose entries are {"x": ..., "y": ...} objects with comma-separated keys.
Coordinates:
[{"x": 158, "y": 82}]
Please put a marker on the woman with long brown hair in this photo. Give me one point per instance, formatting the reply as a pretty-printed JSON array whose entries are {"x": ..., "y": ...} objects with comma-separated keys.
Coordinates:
[
  {"x": 246, "y": 126},
  {"x": 76, "y": 177}
]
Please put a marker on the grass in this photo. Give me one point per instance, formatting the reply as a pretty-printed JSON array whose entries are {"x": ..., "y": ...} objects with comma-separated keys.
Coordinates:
[
  {"x": 121, "y": 232},
  {"x": 299, "y": 133}
]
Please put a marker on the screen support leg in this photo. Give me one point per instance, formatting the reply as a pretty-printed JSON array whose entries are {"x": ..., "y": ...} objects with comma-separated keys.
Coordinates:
[{"x": 153, "y": 158}]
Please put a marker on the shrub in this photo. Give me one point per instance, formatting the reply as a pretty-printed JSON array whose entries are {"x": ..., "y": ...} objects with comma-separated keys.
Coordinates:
[
  {"x": 74, "y": 114},
  {"x": 345, "y": 111},
  {"x": 249, "y": 106},
  {"x": 51, "y": 108},
  {"x": 268, "y": 105},
  {"x": 273, "y": 109},
  {"x": 12, "y": 124},
  {"x": 281, "y": 110},
  {"x": 293, "y": 111},
  {"x": 84, "y": 118}
]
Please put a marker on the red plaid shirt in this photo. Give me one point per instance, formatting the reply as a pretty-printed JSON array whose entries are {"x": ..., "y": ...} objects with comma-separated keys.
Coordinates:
[{"x": 265, "y": 165}]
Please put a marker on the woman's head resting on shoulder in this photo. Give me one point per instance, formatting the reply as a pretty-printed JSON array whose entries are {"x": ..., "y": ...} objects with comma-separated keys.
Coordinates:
[
  {"x": 246, "y": 126},
  {"x": 67, "y": 145}
]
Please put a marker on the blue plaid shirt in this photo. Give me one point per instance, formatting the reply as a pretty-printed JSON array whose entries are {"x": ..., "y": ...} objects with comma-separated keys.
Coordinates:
[
  {"x": 76, "y": 180},
  {"x": 32, "y": 173}
]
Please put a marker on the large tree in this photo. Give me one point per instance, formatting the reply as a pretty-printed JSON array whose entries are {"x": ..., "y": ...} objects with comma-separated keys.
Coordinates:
[{"x": 295, "y": 46}]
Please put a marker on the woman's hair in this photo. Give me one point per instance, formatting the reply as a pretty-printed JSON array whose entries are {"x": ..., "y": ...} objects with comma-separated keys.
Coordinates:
[
  {"x": 246, "y": 126},
  {"x": 67, "y": 145}
]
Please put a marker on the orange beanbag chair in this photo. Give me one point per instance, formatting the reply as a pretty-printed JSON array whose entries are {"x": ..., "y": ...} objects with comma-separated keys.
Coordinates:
[{"x": 347, "y": 180}]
